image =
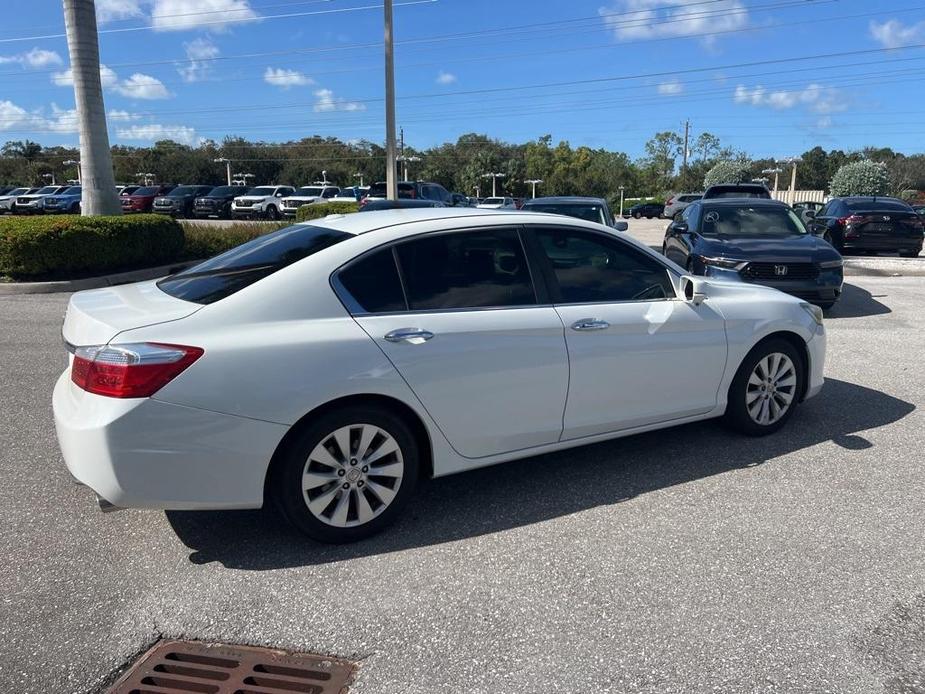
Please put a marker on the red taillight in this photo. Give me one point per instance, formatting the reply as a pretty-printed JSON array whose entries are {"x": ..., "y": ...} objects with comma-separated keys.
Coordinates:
[
  {"x": 670, "y": 200},
  {"x": 130, "y": 371}
]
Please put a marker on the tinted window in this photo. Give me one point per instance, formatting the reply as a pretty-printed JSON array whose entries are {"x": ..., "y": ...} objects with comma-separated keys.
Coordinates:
[
  {"x": 148, "y": 190},
  {"x": 262, "y": 192},
  {"x": 222, "y": 191},
  {"x": 309, "y": 191},
  {"x": 250, "y": 262},
  {"x": 588, "y": 212},
  {"x": 590, "y": 268},
  {"x": 73, "y": 190},
  {"x": 750, "y": 221},
  {"x": 466, "y": 270},
  {"x": 890, "y": 205},
  {"x": 183, "y": 191},
  {"x": 374, "y": 284}
]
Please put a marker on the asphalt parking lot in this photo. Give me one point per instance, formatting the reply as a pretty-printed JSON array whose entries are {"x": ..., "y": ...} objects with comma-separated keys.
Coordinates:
[{"x": 687, "y": 560}]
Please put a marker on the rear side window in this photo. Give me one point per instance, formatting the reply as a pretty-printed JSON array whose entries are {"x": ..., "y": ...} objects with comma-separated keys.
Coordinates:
[
  {"x": 374, "y": 284},
  {"x": 590, "y": 268},
  {"x": 473, "y": 269},
  {"x": 248, "y": 263}
]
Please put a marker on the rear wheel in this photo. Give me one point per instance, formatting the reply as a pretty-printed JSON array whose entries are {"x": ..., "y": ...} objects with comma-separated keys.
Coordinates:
[
  {"x": 636, "y": 215},
  {"x": 766, "y": 389},
  {"x": 348, "y": 475},
  {"x": 825, "y": 305},
  {"x": 909, "y": 254}
]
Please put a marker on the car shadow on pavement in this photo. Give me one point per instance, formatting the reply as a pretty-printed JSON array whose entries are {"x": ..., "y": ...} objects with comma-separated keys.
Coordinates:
[
  {"x": 541, "y": 488},
  {"x": 856, "y": 302}
]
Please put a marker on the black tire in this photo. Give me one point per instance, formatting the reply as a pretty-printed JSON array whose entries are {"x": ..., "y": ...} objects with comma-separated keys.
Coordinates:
[
  {"x": 909, "y": 254},
  {"x": 286, "y": 486},
  {"x": 825, "y": 305},
  {"x": 737, "y": 415},
  {"x": 272, "y": 213},
  {"x": 636, "y": 215},
  {"x": 691, "y": 270}
]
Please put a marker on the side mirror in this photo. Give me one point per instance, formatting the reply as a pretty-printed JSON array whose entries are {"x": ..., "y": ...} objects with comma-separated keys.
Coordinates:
[
  {"x": 809, "y": 214},
  {"x": 680, "y": 227},
  {"x": 621, "y": 226},
  {"x": 693, "y": 289}
]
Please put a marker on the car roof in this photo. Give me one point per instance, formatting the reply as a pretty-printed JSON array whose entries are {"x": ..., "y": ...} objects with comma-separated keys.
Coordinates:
[
  {"x": 738, "y": 202},
  {"x": 870, "y": 198},
  {"x": 566, "y": 200}
]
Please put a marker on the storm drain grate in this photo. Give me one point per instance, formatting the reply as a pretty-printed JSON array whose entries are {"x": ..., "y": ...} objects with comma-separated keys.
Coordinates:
[{"x": 190, "y": 667}]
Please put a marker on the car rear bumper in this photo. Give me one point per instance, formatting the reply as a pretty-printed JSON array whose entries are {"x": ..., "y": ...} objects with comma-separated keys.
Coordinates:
[
  {"x": 885, "y": 244},
  {"x": 145, "y": 453}
]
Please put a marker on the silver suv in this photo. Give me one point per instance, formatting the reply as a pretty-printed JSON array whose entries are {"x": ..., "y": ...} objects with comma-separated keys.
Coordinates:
[{"x": 677, "y": 203}]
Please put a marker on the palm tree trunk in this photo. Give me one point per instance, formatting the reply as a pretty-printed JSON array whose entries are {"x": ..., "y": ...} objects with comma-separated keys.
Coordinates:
[{"x": 99, "y": 187}]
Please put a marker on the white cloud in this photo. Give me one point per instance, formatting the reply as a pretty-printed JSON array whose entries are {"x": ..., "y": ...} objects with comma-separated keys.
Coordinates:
[
  {"x": 893, "y": 33},
  {"x": 138, "y": 86},
  {"x": 815, "y": 97},
  {"x": 66, "y": 78},
  {"x": 670, "y": 88},
  {"x": 14, "y": 117},
  {"x": 181, "y": 15},
  {"x": 642, "y": 19},
  {"x": 118, "y": 116},
  {"x": 36, "y": 58},
  {"x": 326, "y": 101},
  {"x": 155, "y": 131},
  {"x": 445, "y": 78},
  {"x": 281, "y": 77},
  {"x": 112, "y": 10},
  {"x": 199, "y": 52}
]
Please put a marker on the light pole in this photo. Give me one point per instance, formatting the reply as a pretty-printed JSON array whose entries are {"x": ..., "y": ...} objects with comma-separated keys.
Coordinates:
[
  {"x": 793, "y": 180},
  {"x": 621, "y": 201},
  {"x": 242, "y": 177},
  {"x": 391, "y": 173},
  {"x": 478, "y": 192},
  {"x": 494, "y": 180},
  {"x": 360, "y": 176},
  {"x": 776, "y": 171},
  {"x": 50, "y": 176},
  {"x": 72, "y": 162},
  {"x": 404, "y": 161},
  {"x": 324, "y": 178},
  {"x": 534, "y": 182},
  {"x": 146, "y": 178},
  {"x": 227, "y": 163}
]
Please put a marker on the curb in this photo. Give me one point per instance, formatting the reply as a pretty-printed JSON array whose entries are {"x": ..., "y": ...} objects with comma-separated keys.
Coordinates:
[{"x": 150, "y": 273}]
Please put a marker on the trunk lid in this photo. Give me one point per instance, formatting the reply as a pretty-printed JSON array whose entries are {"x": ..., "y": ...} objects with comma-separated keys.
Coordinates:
[
  {"x": 886, "y": 223},
  {"x": 96, "y": 316}
]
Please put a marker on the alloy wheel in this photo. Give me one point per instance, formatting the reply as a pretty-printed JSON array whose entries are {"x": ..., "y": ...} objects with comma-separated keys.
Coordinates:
[
  {"x": 352, "y": 475},
  {"x": 771, "y": 388}
]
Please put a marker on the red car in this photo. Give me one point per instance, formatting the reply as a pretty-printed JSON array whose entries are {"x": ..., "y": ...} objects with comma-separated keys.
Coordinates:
[{"x": 142, "y": 199}]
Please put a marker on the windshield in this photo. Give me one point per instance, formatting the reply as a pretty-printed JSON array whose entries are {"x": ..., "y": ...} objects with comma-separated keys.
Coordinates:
[
  {"x": 47, "y": 190},
  {"x": 590, "y": 213},
  {"x": 262, "y": 191},
  {"x": 310, "y": 191},
  {"x": 18, "y": 191},
  {"x": 73, "y": 190},
  {"x": 182, "y": 191},
  {"x": 227, "y": 190},
  {"x": 249, "y": 263},
  {"x": 751, "y": 221},
  {"x": 149, "y": 190}
]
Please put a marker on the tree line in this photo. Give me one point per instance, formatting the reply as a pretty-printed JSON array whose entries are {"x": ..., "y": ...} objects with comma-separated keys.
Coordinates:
[{"x": 459, "y": 166}]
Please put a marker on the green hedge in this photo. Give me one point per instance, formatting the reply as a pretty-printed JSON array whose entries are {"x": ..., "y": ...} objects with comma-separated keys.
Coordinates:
[
  {"x": 309, "y": 212},
  {"x": 204, "y": 241},
  {"x": 69, "y": 246}
]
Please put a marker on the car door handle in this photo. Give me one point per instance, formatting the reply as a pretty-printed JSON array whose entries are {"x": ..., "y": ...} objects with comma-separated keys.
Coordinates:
[
  {"x": 413, "y": 335},
  {"x": 590, "y": 324}
]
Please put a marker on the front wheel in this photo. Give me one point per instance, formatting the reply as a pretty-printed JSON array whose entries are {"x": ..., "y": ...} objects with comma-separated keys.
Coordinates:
[
  {"x": 348, "y": 475},
  {"x": 636, "y": 215},
  {"x": 272, "y": 213},
  {"x": 766, "y": 389}
]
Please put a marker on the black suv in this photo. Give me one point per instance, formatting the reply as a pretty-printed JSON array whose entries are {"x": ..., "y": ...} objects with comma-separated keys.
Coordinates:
[
  {"x": 410, "y": 190},
  {"x": 179, "y": 201},
  {"x": 217, "y": 202},
  {"x": 647, "y": 210},
  {"x": 870, "y": 224}
]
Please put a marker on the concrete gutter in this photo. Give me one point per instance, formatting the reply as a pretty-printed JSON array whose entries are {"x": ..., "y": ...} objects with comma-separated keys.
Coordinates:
[{"x": 13, "y": 288}]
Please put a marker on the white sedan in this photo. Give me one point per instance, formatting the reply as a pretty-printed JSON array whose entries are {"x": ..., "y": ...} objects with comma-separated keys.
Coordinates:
[{"x": 326, "y": 367}]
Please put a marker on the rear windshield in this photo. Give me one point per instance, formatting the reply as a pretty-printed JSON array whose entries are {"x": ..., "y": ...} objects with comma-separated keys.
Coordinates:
[
  {"x": 221, "y": 191},
  {"x": 150, "y": 190},
  {"x": 750, "y": 221},
  {"x": 590, "y": 213},
  {"x": 377, "y": 190},
  {"x": 248, "y": 263},
  {"x": 494, "y": 201},
  {"x": 878, "y": 204}
]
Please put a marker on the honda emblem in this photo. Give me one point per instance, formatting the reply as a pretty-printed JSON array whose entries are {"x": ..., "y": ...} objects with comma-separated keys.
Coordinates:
[{"x": 780, "y": 270}]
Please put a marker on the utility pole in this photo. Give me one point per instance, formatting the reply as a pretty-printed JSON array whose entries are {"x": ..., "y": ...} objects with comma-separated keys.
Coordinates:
[
  {"x": 391, "y": 184},
  {"x": 687, "y": 134},
  {"x": 99, "y": 189},
  {"x": 360, "y": 176},
  {"x": 793, "y": 180},
  {"x": 227, "y": 163},
  {"x": 533, "y": 182},
  {"x": 621, "y": 201}
]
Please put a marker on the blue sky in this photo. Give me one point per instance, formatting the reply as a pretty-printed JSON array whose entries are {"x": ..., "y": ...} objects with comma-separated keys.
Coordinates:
[{"x": 604, "y": 73}]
